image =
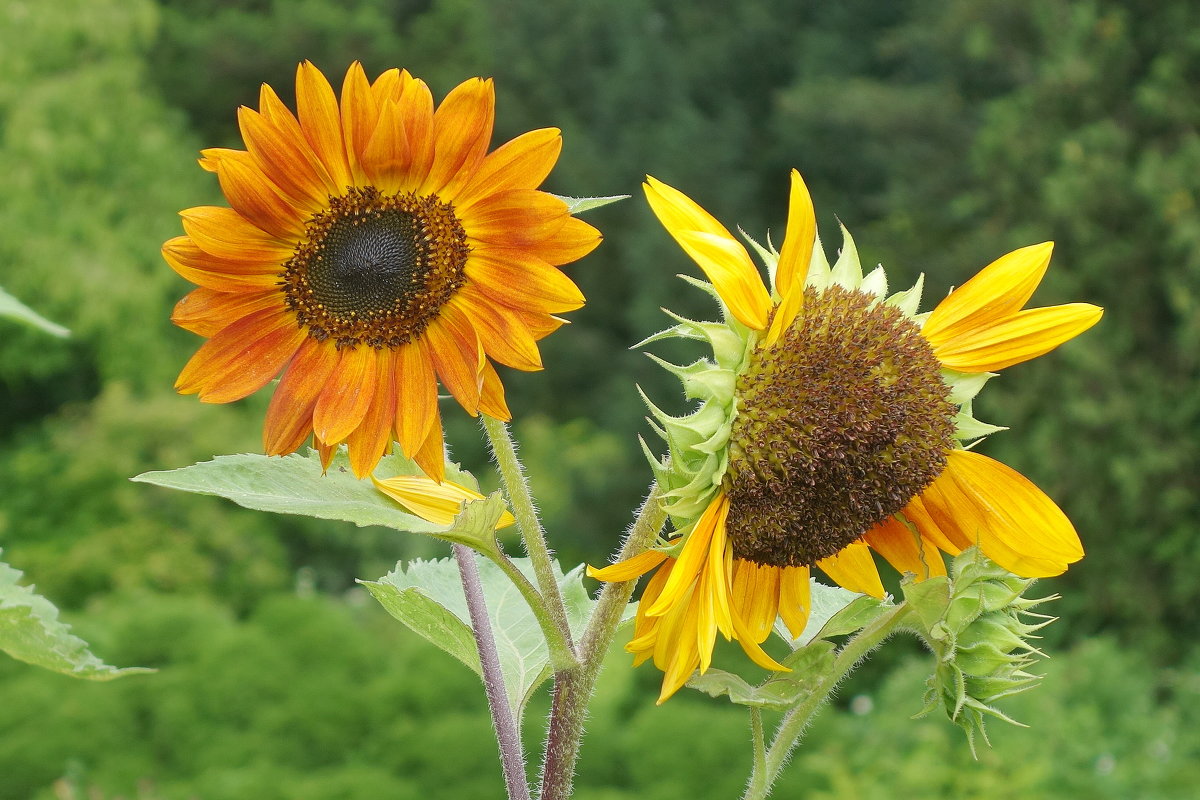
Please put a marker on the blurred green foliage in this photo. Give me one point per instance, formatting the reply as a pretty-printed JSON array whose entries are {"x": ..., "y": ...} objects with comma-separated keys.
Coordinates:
[{"x": 943, "y": 135}]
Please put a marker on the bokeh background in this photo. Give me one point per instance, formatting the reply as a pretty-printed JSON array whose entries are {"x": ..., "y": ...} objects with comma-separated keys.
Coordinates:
[{"x": 942, "y": 134}]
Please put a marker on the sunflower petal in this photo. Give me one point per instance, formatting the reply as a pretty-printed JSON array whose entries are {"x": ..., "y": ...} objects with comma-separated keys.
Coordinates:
[
  {"x": 794, "y": 599},
  {"x": 522, "y": 163},
  {"x": 462, "y": 131},
  {"x": 694, "y": 555},
  {"x": 905, "y": 549},
  {"x": 321, "y": 122},
  {"x": 347, "y": 397},
  {"x": 224, "y": 275},
  {"x": 853, "y": 568},
  {"x": 289, "y": 419},
  {"x": 519, "y": 280},
  {"x": 241, "y": 358},
  {"x": 630, "y": 568},
  {"x": 367, "y": 443},
  {"x": 434, "y": 502},
  {"x": 1018, "y": 338},
  {"x": 798, "y": 240},
  {"x": 224, "y": 233},
  {"x": 208, "y": 312},
  {"x": 457, "y": 356},
  {"x": 491, "y": 396},
  {"x": 504, "y": 335},
  {"x": 257, "y": 199}
]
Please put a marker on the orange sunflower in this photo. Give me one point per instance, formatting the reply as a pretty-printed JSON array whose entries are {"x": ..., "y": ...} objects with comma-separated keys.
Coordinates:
[
  {"x": 833, "y": 423},
  {"x": 372, "y": 248}
]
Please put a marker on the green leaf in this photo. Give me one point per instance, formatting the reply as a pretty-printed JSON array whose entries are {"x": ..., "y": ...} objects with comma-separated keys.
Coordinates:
[
  {"x": 295, "y": 484},
  {"x": 929, "y": 599},
  {"x": 13, "y": 308},
  {"x": 861, "y": 612},
  {"x": 577, "y": 205},
  {"x": 810, "y": 665},
  {"x": 427, "y": 596},
  {"x": 826, "y": 602},
  {"x": 30, "y": 632}
]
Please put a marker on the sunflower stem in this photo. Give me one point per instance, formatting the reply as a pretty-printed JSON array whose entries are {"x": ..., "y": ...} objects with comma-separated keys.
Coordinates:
[
  {"x": 757, "y": 740},
  {"x": 508, "y": 737},
  {"x": 504, "y": 451},
  {"x": 796, "y": 720},
  {"x": 573, "y": 688}
]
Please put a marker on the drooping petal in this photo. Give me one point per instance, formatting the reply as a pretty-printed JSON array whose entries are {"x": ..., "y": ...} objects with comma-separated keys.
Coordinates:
[
  {"x": 348, "y": 396},
  {"x": 1018, "y": 338},
  {"x": 491, "y": 395},
  {"x": 906, "y": 550},
  {"x": 794, "y": 599},
  {"x": 756, "y": 594},
  {"x": 434, "y": 502},
  {"x": 431, "y": 455},
  {"x": 240, "y": 359},
  {"x": 630, "y": 568},
  {"x": 694, "y": 555},
  {"x": 798, "y": 241},
  {"x": 853, "y": 568},
  {"x": 416, "y": 405},
  {"x": 289, "y": 419},
  {"x": 997, "y": 291},
  {"x": 457, "y": 355}
]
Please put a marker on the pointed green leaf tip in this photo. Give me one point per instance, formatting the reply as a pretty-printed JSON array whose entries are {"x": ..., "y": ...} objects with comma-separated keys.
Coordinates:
[
  {"x": 577, "y": 205},
  {"x": 13, "y": 308},
  {"x": 295, "y": 484},
  {"x": 427, "y": 596},
  {"x": 31, "y": 632}
]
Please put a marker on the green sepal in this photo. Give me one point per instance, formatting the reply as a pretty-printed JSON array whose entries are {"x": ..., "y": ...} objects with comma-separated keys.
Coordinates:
[
  {"x": 819, "y": 274},
  {"x": 967, "y": 428},
  {"x": 847, "y": 270},
  {"x": 964, "y": 386},
  {"x": 578, "y": 205},
  {"x": 909, "y": 301},
  {"x": 875, "y": 283}
]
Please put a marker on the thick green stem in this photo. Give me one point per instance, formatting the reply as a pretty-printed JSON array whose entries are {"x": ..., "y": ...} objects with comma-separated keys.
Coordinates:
[
  {"x": 794, "y": 722},
  {"x": 504, "y": 452},
  {"x": 573, "y": 688}
]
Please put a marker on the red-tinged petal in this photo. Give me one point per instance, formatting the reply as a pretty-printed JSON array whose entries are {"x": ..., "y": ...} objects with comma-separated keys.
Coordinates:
[
  {"x": 519, "y": 280},
  {"x": 416, "y": 116},
  {"x": 516, "y": 218},
  {"x": 462, "y": 131},
  {"x": 282, "y": 153},
  {"x": 240, "y": 359},
  {"x": 326, "y": 452},
  {"x": 254, "y": 197},
  {"x": 431, "y": 455},
  {"x": 208, "y": 312},
  {"x": 853, "y": 568},
  {"x": 574, "y": 240},
  {"x": 798, "y": 241},
  {"x": 224, "y": 233},
  {"x": 211, "y": 157},
  {"x": 289, "y": 418},
  {"x": 999, "y": 290},
  {"x": 386, "y": 157},
  {"x": 370, "y": 440},
  {"x": 1018, "y": 338},
  {"x": 491, "y": 396},
  {"x": 522, "y": 163},
  {"x": 948, "y": 540},
  {"x": 348, "y": 396},
  {"x": 457, "y": 356},
  {"x": 360, "y": 113},
  {"x": 504, "y": 334},
  {"x": 416, "y": 388},
  {"x": 223, "y": 275},
  {"x": 321, "y": 122},
  {"x": 905, "y": 549}
]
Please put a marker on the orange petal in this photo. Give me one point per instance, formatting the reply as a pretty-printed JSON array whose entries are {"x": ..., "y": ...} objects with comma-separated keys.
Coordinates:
[
  {"x": 574, "y": 240},
  {"x": 256, "y": 198},
  {"x": 431, "y": 455},
  {"x": 416, "y": 388},
  {"x": 457, "y": 355},
  {"x": 723, "y": 259},
  {"x": 415, "y": 108},
  {"x": 207, "y": 312},
  {"x": 386, "y": 157},
  {"x": 906, "y": 550},
  {"x": 794, "y": 599},
  {"x": 321, "y": 122},
  {"x": 370, "y": 440},
  {"x": 1026, "y": 335},
  {"x": 289, "y": 419},
  {"x": 630, "y": 568},
  {"x": 224, "y": 233},
  {"x": 798, "y": 241},
  {"x": 462, "y": 131},
  {"x": 853, "y": 568},
  {"x": 224, "y": 275},
  {"x": 491, "y": 397},
  {"x": 517, "y": 279},
  {"x": 282, "y": 153},
  {"x": 515, "y": 218},
  {"x": 326, "y": 452},
  {"x": 348, "y": 395},
  {"x": 522, "y": 163},
  {"x": 999, "y": 290},
  {"x": 501, "y": 329},
  {"x": 359, "y": 116},
  {"x": 240, "y": 359}
]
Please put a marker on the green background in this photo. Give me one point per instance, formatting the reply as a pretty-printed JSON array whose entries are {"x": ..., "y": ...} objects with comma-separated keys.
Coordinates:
[{"x": 943, "y": 135}]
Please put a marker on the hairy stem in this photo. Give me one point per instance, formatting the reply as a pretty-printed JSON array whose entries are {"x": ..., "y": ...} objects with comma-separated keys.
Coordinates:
[
  {"x": 508, "y": 737},
  {"x": 794, "y": 722},
  {"x": 573, "y": 688},
  {"x": 504, "y": 451}
]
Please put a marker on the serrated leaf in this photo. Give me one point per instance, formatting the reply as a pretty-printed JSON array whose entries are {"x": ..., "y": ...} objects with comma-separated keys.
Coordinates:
[
  {"x": 782, "y": 690},
  {"x": 427, "y": 596},
  {"x": 30, "y": 631},
  {"x": 577, "y": 205},
  {"x": 295, "y": 484},
  {"x": 825, "y": 602},
  {"x": 13, "y": 308}
]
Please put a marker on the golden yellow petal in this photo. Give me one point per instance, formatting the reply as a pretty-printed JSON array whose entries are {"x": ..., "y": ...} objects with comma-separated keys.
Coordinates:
[
  {"x": 798, "y": 241},
  {"x": 905, "y": 549},
  {"x": 998, "y": 291},
  {"x": 694, "y": 555},
  {"x": 630, "y": 568},
  {"x": 1018, "y": 338},
  {"x": 853, "y": 568},
  {"x": 434, "y": 502},
  {"x": 794, "y": 599}
]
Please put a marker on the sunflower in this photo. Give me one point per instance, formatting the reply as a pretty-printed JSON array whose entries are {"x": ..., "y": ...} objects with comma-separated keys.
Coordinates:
[
  {"x": 372, "y": 248},
  {"x": 832, "y": 423}
]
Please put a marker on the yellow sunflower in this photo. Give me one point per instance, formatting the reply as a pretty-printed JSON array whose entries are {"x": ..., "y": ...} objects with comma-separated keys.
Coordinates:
[
  {"x": 372, "y": 248},
  {"x": 832, "y": 423}
]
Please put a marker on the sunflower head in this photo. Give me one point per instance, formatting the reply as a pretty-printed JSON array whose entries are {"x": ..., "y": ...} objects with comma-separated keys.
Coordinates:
[{"x": 371, "y": 249}]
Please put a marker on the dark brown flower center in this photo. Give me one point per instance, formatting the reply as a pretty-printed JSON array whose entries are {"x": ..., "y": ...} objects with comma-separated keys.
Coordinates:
[
  {"x": 375, "y": 269},
  {"x": 838, "y": 426}
]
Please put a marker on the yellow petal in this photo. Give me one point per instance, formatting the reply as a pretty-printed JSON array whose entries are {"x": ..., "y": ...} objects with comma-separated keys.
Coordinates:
[
  {"x": 724, "y": 261},
  {"x": 785, "y": 313},
  {"x": 998, "y": 291},
  {"x": 434, "y": 502},
  {"x": 694, "y": 555},
  {"x": 905, "y": 549},
  {"x": 630, "y": 568},
  {"x": 853, "y": 568},
  {"x": 798, "y": 241},
  {"x": 794, "y": 599},
  {"x": 1026, "y": 335}
]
